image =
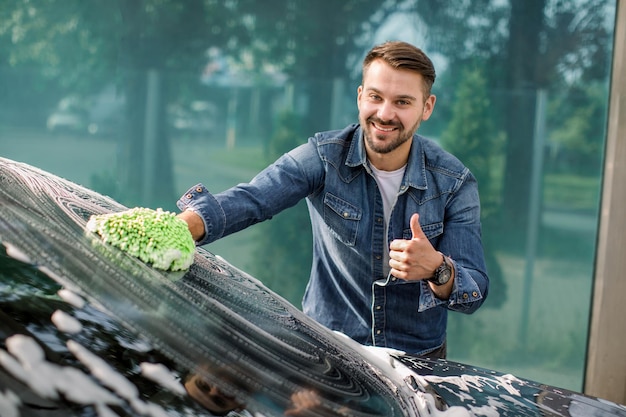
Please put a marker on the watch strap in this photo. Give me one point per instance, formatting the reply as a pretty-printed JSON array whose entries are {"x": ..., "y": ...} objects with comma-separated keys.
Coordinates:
[{"x": 443, "y": 272}]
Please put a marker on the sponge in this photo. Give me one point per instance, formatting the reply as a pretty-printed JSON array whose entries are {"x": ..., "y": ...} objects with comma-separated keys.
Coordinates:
[{"x": 156, "y": 237}]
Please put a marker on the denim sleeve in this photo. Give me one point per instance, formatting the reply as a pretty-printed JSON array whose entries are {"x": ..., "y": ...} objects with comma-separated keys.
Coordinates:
[
  {"x": 461, "y": 241},
  {"x": 199, "y": 200},
  {"x": 466, "y": 294},
  {"x": 281, "y": 185}
]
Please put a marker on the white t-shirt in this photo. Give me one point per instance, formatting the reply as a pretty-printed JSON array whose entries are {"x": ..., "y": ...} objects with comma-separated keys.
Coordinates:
[{"x": 388, "y": 184}]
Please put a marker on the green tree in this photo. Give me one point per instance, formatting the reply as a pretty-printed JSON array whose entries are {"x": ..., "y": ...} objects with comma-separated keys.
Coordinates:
[
  {"x": 283, "y": 256},
  {"x": 578, "y": 130},
  {"x": 472, "y": 136},
  {"x": 316, "y": 42},
  {"x": 84, "y": 45},
  {"x": 525, "y": 46}
]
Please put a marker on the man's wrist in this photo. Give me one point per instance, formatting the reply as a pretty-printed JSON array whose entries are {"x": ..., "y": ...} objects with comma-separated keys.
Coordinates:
[
  {"x": 443, "y": 273},
  {"x": 194, "y": 222}
]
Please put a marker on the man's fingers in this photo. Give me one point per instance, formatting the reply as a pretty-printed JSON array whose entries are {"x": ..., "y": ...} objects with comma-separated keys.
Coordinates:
[
  {"x": 397, "y": 245},
  {"x": 416, "y": 229},
  {"x": 401, "y": 245}
]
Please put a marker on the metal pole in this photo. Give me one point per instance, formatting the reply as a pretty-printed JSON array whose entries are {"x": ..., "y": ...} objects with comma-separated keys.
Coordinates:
[
  {"x": 534, "y": 210},
  {"x": 150, "y": 137}
]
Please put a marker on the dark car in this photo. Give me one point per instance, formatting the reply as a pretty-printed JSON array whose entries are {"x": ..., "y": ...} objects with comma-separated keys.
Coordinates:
[{"x": 87, "y": 330}]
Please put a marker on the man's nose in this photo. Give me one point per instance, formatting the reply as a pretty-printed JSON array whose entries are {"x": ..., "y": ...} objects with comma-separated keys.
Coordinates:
[{"x": 386, "y": 111}]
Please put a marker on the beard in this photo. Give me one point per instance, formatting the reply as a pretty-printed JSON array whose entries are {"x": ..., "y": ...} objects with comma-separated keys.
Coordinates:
[{"x": 387, "y": 143}]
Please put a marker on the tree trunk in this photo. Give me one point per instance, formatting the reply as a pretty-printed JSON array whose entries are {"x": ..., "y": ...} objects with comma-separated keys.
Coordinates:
[
  {"x": 526, "y": 23},
  {"x": 146, "y": 178}
]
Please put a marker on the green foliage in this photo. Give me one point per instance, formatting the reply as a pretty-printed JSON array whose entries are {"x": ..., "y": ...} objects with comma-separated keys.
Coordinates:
[
  {"x": 580, "y": 194},
  {"x": 471, "y": 137},
  {"x": 578, "y": 120},
  {"x": 282, "y": 258}
]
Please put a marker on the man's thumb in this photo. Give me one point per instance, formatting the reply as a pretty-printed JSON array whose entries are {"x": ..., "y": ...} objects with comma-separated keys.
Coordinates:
[{"x": 416, "y": 229}]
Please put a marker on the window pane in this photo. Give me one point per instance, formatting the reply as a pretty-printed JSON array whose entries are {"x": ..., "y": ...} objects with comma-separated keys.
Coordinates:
[{"x": 141, "y": 100}]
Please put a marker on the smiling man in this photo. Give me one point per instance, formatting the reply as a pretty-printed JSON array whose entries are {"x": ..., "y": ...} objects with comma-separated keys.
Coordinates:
[{"x": 395, "y": 218}]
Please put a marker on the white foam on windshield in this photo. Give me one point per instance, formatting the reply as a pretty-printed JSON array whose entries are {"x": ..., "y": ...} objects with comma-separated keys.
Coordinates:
[
  {"x": 25, "y": 360},
  {"x": 108, "y": 376},
  {"x": 66, "y": 323},
  {"x": 71, "y": 298},
  {"x": 160, "y": 374},
  {"x": 9, "y": 404},
  {"x": 113, "y": 380},
  {"x": 16, "y": 253}
]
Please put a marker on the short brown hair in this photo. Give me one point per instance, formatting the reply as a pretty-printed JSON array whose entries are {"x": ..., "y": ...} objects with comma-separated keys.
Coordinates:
[{"x": 402, "y": 55}]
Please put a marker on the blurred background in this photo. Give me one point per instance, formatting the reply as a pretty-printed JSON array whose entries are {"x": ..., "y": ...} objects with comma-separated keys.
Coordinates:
[{"x": 142, "y": 99}]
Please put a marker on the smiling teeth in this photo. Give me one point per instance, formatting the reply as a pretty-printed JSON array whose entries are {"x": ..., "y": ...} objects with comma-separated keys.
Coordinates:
[{"x": 389, "y": 129}]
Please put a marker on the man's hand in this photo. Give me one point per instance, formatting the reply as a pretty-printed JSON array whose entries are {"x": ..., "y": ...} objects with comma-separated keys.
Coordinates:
[
  {"x": 414, "y": 259},
  {"x": 417, "y": 259},
  {"x": 194, "y": 222}
]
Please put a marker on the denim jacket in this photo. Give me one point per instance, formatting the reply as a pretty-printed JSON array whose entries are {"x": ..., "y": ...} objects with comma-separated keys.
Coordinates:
[{"x": 347, "y": 290}]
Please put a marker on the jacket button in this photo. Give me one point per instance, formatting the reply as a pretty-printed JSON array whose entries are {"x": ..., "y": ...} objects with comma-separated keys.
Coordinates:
[
  {"x": 346, "y": 214},
  {"x": 199, "y": 189},
  {"x": 189, "y": 196},
  {"x": 465, "y": 296},
  {"x": 475, "y": 294}
]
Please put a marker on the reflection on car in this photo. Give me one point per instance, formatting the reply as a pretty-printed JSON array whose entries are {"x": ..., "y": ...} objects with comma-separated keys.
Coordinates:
[{"x": 87, "y": 330}]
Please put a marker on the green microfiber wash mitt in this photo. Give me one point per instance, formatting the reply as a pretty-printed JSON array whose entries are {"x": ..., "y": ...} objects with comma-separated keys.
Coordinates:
[{"x": 156, "y": 237}]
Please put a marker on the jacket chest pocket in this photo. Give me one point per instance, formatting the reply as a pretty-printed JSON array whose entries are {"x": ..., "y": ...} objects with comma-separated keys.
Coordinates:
[
  {"x": 342, "y": 218},
  {"x": 432, "y": 231}
]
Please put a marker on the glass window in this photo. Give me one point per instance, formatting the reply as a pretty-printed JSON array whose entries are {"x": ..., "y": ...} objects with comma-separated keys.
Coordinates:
[{"x": 141, "y": 100}]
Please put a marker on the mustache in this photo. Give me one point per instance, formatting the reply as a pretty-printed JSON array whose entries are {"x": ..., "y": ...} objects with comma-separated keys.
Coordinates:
[{"x": 374, "y": 119}]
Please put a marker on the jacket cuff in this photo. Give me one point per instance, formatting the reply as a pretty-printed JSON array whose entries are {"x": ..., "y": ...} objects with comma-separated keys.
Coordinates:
[{"x": 199, "y": 200}]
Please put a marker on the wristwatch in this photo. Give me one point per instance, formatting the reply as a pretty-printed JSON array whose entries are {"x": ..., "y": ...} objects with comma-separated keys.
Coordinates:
[{"x": 443, "y": 273}]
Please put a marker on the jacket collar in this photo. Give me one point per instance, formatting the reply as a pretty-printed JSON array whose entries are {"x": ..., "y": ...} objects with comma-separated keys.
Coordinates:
[{"x": 415, "y": 174}]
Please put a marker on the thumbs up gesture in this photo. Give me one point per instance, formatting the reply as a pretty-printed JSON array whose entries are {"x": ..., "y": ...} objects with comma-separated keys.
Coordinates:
[{"x": 413, "y": 259}]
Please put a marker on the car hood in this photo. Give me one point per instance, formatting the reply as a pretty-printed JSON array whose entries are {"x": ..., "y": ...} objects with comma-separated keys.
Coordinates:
[{"x": 212, "y": 321}]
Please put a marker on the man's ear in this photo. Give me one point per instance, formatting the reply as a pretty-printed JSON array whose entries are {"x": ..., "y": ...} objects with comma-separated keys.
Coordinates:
[{"x": 429, "y": 106}]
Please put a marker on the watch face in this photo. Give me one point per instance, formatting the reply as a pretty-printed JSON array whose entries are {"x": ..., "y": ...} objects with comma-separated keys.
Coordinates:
[
  {"x": 444, "y": 276},
  {"x": 443, "y": 273}
]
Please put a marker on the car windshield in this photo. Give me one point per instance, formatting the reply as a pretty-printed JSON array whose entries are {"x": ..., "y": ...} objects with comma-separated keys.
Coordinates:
[
  {"x": 88, "y": 330},
  {"x": 232, "y": 342}
]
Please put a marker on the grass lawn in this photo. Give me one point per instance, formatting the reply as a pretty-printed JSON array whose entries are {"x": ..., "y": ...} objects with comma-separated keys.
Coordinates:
[{"x": 572, "y": 191}]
